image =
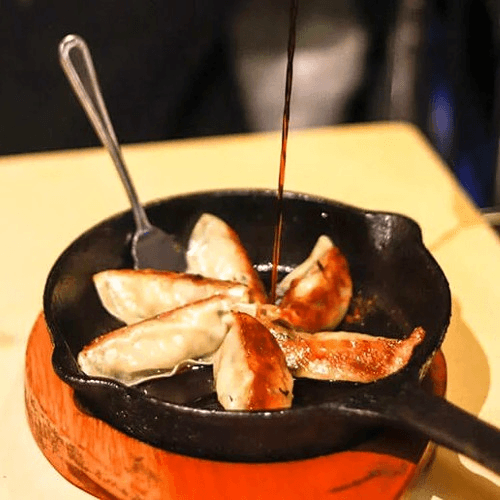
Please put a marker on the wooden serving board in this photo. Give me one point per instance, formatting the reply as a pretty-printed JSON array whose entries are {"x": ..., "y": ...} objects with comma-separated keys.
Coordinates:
[{"x": 110, "y": 465}]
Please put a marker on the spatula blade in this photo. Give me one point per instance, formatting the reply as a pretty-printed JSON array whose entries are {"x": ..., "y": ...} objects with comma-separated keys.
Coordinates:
[{"x": 155, "y": 249}]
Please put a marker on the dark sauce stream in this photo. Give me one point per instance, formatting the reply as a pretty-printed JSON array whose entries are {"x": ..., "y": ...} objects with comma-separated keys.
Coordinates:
[{"x": 284, "y": 139}]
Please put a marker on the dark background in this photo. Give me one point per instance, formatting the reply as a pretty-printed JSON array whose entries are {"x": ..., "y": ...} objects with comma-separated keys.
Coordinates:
[{"x": 168, "y": 70}]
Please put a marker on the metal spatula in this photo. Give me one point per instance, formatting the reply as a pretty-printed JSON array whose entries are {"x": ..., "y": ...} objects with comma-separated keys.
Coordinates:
[{"x": 151, "y": 247}]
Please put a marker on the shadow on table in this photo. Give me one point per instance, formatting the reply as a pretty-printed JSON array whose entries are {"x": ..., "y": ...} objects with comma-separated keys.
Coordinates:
[
  {"x": 449, "y": 479},
  {"x": 467, "y": 364},
  {"x": 468, "y": 384}
]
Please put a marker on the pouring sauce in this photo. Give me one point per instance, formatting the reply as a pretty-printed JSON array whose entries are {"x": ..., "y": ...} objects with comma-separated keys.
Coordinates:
[{"x": 284, "y": 139}]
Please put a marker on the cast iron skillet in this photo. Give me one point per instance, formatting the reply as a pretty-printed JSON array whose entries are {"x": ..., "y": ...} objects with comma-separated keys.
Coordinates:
[{"x": 398, "y": 285}]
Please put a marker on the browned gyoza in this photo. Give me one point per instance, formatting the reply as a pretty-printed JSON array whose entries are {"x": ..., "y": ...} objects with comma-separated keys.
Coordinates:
[
  {"x": 250, "y": 368},
  {"x": 316, "y": 294},
  {"x": 342, "y": 356}
]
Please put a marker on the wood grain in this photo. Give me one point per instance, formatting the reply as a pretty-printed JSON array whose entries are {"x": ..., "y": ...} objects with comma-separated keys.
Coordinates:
[{"x": 110, "y": 465}]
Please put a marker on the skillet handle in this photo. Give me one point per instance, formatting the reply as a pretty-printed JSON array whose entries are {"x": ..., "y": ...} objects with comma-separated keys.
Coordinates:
[{"x": 445, "y": 424}]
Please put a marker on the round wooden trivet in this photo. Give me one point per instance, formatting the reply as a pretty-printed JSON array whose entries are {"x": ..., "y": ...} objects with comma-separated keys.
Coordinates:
[{"x": 110, "y": 465}]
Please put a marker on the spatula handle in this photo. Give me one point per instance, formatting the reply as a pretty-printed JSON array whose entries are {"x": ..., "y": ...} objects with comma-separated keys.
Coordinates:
[{"x": 77, "y": 64}]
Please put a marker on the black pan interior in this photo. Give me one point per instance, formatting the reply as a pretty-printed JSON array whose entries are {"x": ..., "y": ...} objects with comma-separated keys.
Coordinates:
[{"x": 398, "y": 286}]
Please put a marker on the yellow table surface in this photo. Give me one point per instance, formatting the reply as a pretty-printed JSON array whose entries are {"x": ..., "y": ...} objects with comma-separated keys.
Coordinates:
[{"x": 47, "y": 200}]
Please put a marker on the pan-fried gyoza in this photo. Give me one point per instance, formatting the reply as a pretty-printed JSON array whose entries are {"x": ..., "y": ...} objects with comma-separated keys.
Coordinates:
[
  {"x": 215, "y": 251},
  {"x": 250, "y": 369},
  {"x": 316, "y": 294},
  {"x": 217, "y": 313},
  {"x": 341, "y": 356},
  {"x": 159, "y": 345},
  {"x": 134, "y": 295}
]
